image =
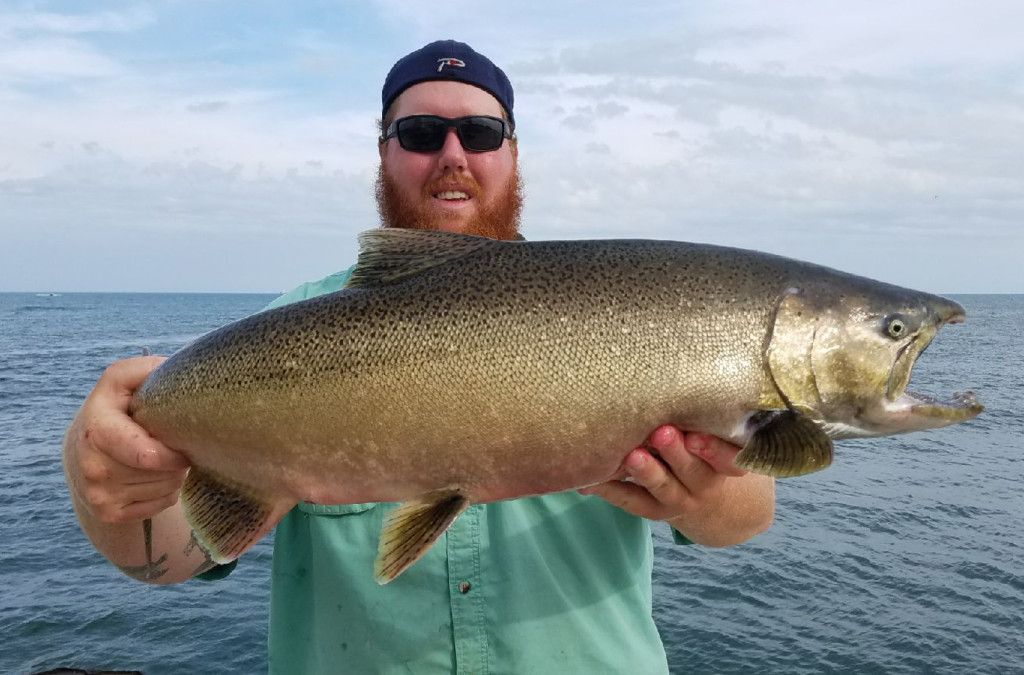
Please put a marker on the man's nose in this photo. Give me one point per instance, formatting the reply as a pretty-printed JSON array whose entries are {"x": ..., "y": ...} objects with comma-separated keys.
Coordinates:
[{"x": 452, "y": 155}]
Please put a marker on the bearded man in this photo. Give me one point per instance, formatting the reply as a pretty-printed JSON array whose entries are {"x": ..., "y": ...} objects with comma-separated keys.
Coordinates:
[{"x": 553, "y": 584}]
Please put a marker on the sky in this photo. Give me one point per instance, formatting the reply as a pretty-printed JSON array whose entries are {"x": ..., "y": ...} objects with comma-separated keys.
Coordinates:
[{"x": 188, "y": 145}]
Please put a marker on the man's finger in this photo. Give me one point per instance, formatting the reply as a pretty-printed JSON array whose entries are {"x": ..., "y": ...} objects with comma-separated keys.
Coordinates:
[
  {"x": 123, "y": 377},
  {"x": 153, "y": 490},
  {"x": 717, "y": 453},
  {"x": 669, "y": 444},
  {"x": 142, "y": 510},
  {"x": 147, "y": 477},
  {"x": 127, "y": 443},
  {"x": 657, "y": 478},
  {"x": 628, "y": 497}
]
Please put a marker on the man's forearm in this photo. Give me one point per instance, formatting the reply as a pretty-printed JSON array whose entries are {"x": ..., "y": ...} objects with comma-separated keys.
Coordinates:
[
  {"x": 157, "y": 550},
  {"x": 745, "y": 508}
]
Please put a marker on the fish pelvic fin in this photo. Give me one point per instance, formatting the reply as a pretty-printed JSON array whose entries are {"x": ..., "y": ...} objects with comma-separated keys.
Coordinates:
[
  {"x": 389, "y": 255},
  {"x": 785, "y": 443},
  {"x": 227, "y": 517},
  {"x": 409, "y": 530}
]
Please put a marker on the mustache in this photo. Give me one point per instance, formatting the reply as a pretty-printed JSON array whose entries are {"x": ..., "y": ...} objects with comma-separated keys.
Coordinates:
[{"x": 453, "y": 182}]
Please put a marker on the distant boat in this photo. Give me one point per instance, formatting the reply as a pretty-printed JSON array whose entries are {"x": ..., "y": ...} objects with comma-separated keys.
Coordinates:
[{"x": 48, "y": 295}]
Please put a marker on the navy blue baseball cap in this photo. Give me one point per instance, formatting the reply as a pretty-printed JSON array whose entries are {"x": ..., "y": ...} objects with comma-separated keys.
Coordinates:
[{"x": 448, "y": 60}]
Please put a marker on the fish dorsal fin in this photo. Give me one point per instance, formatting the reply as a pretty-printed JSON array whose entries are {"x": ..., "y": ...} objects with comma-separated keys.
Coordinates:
[
  {"x": 409, "y": 530},
  {"x": 388, "y": 255},
  {"x": 788, "y": 352}
]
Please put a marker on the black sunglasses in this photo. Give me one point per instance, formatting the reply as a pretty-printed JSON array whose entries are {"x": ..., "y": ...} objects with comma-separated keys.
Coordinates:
[{"x": 426, "y": 133}]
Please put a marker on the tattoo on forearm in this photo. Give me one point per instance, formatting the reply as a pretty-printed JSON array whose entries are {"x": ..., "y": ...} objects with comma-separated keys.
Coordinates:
[
  {"x": 153, "y": 569},
  {"x": 207, "y": 564}
]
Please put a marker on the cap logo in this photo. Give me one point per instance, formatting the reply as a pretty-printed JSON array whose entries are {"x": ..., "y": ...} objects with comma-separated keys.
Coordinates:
[{"x": 455, "y": 63}]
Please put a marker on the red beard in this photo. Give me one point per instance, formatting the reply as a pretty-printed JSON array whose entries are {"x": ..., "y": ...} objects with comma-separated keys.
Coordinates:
[{"x": 500, "y": 221}]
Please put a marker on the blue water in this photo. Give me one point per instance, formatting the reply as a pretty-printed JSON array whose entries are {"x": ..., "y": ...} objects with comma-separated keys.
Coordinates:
[{"x": 904, "y": 557}]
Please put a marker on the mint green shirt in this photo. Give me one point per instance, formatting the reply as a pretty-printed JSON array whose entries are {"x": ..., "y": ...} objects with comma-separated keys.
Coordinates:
[{"x": 555, "y": 584}]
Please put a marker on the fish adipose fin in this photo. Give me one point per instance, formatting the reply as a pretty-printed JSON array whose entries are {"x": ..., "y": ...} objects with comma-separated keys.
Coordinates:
[
  {"x": 226, "y": 517},
  {"x": 389, "y": 255},
  {"x": 785, "y": 443},
  {"x": 411, "y": 529}
]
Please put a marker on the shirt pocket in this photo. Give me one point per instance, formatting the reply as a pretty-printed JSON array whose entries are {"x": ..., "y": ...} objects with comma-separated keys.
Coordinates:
[{"x": 346, "y": 527}]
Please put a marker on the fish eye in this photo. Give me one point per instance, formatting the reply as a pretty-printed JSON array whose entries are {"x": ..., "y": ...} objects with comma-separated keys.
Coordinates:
[{"x": 896, "y": 327}]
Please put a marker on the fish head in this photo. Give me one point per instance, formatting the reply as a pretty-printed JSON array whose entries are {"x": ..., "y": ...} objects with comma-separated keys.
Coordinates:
[{"x": 843, "y": 352}]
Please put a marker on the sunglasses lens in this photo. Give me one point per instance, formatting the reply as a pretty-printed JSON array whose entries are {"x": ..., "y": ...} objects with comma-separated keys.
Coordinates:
[
  {"x": 421, "y": 134},
  {"x": 480, "y": 134},
  {"x": 426, "y": 133}
]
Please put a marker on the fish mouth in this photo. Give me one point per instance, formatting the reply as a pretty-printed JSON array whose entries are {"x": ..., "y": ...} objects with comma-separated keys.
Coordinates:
[
  {"x": 911, "y": 411},
  {"x": 922, "y": 408}
]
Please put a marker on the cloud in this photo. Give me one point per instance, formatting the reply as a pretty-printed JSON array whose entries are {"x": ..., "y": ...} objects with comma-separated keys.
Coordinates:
[
  {"x": 50, "y": 46},
  {"x": 206, "y": 106},
  {"x": 29, "y": 22},
  {"x": 818, "y": 131},
  {"x": 137, "y": 226},
  {"x": 52, "y": 60},
  {"x": 720, "y": 135}
]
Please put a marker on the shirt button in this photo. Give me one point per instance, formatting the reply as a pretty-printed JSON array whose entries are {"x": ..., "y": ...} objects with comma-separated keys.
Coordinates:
[{"x": 464, "y": 587}]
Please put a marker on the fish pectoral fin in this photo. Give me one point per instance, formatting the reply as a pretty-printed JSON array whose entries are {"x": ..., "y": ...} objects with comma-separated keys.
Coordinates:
[
  {"x": 410, "y": 530},
  {"x": 391, "y": 254},
  {"x": 227, "y": 517},
  {"x": 785, "y": 443}
]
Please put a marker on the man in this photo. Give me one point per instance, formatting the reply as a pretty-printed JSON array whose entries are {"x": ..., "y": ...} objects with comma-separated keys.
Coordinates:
[{"x": 559, "y": 583}]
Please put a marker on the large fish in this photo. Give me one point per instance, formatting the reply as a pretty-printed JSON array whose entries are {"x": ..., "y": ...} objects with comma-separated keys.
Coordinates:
[{"x": 455, "y": 369}]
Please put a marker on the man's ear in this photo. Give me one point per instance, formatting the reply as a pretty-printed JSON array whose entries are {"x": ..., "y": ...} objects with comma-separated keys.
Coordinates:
[{"x": 381, "y": 141}]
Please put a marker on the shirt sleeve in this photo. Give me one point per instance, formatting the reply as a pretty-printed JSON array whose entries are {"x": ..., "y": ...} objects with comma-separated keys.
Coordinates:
[
  {"x": 218, "y": 572},
  {"x": 312, "y": 289}
]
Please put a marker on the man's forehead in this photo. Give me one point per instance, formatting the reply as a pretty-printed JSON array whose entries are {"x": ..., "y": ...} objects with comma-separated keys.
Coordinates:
[{"x": 446, "y": 98}]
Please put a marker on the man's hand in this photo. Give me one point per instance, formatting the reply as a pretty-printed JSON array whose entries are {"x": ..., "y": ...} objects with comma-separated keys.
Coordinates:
[
  {"x": 116, "y": 471},
  {"x": 689, "y": 481},
  {"x": 124, "y": 484}
]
